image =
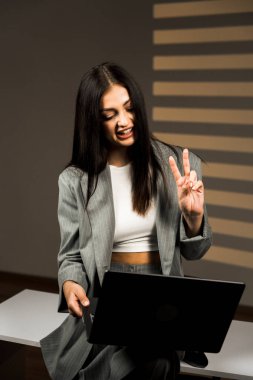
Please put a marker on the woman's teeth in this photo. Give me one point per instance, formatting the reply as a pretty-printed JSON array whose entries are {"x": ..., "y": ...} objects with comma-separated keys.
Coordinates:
[{"x": 125, "y": 132}]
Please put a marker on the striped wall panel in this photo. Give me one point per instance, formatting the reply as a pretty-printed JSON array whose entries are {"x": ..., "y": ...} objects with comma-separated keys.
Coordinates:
[{"x": 203, "y": 100}]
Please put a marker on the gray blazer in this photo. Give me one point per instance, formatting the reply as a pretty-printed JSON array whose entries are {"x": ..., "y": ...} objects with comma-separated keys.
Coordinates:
[{"x": 86, "y": 248}]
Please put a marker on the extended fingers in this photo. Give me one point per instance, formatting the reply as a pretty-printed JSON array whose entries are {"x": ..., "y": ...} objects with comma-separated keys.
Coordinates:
[
  {"x": 176, "y": 173},
  {"x": 186, "y": 163}
]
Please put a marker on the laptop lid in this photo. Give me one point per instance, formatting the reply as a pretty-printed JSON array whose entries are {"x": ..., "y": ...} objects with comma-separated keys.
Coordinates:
[{"x": 181, "y": 312}]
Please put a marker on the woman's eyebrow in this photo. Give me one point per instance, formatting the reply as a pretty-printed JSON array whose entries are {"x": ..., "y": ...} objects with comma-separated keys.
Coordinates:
[
  {"x": 107, "y": 109},
  {"x": 112, "y": 109}
]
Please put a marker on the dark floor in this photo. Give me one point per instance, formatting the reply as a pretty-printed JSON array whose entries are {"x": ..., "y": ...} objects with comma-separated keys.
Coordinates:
[
  {"x": 11, "y": 284},
  {"x": 28, "y": 360}
]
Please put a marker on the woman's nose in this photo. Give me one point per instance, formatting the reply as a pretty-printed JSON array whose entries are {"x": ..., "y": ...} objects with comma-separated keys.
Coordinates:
[{"x": 123, "y": 119}]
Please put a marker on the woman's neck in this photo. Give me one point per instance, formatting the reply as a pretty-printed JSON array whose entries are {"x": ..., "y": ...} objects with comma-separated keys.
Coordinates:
[{"x": 118, "y": 157}]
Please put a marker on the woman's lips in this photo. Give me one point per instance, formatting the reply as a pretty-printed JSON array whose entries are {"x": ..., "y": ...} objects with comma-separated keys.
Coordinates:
[{"x": 125, "y": 133}]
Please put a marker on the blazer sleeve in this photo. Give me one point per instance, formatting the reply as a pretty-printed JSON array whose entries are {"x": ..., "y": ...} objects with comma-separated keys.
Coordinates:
[
  {"x": 70, "y": 265},
  {"x": 195, "y": 247}
]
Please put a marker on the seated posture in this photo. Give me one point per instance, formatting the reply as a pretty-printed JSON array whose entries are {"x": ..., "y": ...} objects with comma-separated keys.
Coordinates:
[{"x": 127, "y": 202}]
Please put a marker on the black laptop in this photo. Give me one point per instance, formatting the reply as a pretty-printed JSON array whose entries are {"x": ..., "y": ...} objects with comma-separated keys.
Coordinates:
[{"x": 183, "y": 313}]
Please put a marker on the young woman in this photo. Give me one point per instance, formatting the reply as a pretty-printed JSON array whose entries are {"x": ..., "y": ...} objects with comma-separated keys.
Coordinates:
[{"x": 127, "y": 202}]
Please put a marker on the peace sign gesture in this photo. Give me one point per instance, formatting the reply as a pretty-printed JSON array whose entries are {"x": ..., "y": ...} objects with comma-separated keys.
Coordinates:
[{"x": 190, "y": 192}]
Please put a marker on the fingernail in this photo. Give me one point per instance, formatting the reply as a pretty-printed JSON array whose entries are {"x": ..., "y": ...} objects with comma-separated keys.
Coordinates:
[{"x": 86, "y": 303}]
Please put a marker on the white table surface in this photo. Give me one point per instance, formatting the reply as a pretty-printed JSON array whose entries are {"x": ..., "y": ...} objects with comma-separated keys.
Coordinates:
[
  {"x": 235, "y": 360},
  {"x": 29, "y": 316}
]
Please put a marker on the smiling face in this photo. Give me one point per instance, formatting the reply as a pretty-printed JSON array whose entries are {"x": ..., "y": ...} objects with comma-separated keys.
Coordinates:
[{"x": 118, "y": 117}]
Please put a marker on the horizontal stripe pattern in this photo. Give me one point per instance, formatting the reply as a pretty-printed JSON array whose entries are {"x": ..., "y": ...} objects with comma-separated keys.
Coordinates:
[
  {"x": 209, "y": 75},
  {"x": 231, "y": 213},
  {"x": 232, "y": 227},
  {"x": 201, "y": 8},
  {"x": 229, "y": 199},
  {"x": 203, "y": 128},
  {"x": 228, "y": 89},
  {"x": 232, "y": 241},
  {"x": 236, "y": 172},
  {"x": 230, "y": 256},
  {"x": 230, "y": 144},
  {"x": 203, "y": 62},
  {"x": 200, "y": 35},
  {"x": 203, "y": 100},
  {"x": 229, "y": 185},
  {"x": 202, "y": 115}
]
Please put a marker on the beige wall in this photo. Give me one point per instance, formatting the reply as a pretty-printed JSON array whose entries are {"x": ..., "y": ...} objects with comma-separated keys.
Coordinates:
[{"x": 194, "y": 61}]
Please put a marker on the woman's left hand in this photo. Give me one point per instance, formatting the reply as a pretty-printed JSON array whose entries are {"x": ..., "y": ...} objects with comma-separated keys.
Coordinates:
[{"x": 190, "y": 194}]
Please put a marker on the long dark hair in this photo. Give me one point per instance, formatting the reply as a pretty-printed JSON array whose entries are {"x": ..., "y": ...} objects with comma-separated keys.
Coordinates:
[{"x": 90, "y": 150}]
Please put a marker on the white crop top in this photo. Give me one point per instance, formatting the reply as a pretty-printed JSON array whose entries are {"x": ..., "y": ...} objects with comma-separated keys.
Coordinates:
[{"x": 133, "y": 232}]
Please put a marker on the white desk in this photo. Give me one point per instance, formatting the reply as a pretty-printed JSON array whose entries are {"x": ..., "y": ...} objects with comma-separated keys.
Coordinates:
[
  {"x": 30, "y": 315},
  {"x": 235, "y": 360}
]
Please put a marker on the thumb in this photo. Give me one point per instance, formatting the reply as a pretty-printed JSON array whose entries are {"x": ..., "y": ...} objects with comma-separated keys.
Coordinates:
[{"x": 81, "y": 295}]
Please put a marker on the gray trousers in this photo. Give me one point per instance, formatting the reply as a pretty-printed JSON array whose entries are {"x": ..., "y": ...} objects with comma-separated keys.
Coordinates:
[{"x": 130, "y": 363}]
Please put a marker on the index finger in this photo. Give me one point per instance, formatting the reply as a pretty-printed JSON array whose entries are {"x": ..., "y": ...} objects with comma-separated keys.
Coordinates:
[
  {"x": 174, "y": 168},
  {"x": 186, "y": 162}
]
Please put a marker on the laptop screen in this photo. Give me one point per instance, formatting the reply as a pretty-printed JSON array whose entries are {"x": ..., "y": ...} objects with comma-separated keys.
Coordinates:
[{"x": 182, "y": 313}]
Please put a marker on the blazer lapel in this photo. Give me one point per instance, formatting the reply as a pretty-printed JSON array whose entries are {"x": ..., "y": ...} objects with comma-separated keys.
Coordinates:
[
  {"x": 167, "y": 220},
  {"x": 101, "y": 213}
]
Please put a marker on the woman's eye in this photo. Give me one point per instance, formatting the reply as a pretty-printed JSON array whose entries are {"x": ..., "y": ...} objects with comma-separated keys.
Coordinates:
[{"x": 107, "y": 117}]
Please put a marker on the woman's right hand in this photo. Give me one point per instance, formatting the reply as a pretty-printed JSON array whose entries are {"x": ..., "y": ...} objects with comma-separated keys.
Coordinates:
[{"x": 75, "y": 296}]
